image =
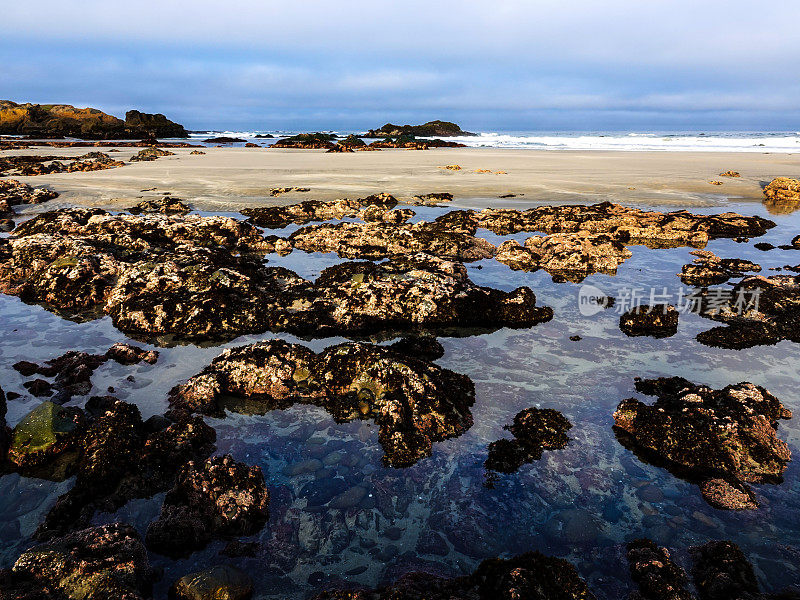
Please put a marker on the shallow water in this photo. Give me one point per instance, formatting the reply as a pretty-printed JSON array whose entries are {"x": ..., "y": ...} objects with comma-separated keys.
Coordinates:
[{"x": 581, "y": 503}]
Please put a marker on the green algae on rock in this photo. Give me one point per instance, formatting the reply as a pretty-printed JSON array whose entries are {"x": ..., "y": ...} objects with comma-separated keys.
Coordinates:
[{"x": 220, "y": 582}]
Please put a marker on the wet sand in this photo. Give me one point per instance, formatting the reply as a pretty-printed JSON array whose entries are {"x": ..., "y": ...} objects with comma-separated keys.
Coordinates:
[{"x": 231, "y": 178}]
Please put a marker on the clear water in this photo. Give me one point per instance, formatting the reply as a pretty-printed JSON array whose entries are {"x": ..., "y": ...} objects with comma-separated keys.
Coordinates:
[{"x": 581, "y": 503}]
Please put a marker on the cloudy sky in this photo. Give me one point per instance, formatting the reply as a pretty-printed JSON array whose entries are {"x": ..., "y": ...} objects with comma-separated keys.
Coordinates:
[{"x": 348, "y": 64}]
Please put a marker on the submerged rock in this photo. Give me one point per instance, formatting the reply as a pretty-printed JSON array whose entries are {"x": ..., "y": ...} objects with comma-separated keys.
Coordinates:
[
  {"x": 709, "y": 269},
  {"x": 99, "y": 563},
  {"x": 529, "y": 576},
  {"x": 414, "y": 403},
  {"x": 217, "y": 583},
  {"x": 535, "y": 430},
  {"x": 658, "y": 321},
  {"x": 657, "y": 576},
  {"x": 757, "y": 311},
  {"x": 218, "y": 498},
  {"x": 47, "y": 432},
  {"x": 701, "y": 434}
]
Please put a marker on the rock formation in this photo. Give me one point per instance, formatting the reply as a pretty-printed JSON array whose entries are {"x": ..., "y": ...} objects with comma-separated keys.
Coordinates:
[{"x": 429, "y": 129}]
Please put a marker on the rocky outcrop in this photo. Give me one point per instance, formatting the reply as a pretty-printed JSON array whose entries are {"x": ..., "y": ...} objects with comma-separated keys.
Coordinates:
[
  {"x": 165, "y": 205},
  {"x": 709, "y": 269},
  {"x": 307, "y": 141},
  {"x": 782, "y": 195},
  {"x": 414, "y": 402},
  {"x": 108, "y": 562},
  {"x": 654, "y": 571},
  {"x": 218, "y": 498},
  {"x": 432, "y": 199},
  {"x": 376, "y": 240},
  {"x": 727, "y": 436},
  {"x": 14, "y": 193},
  {"x": 409, "y": 142},
  {"x": 429, "y": 129},
  {"x": 532, "y": 576},
  {"x": 120, "y": 457},
  {"x": 32, "y": 165},
  {"x": 125, "y": 266},
  {"x": 657, "y": 320},
  {"x": 286, "y": 190},
  {"x": 59, "y": 120},
  {"x": 276, "y": 217},
  {"x": 535, "y": 430},
  {"x": 220, "y": 582},
  {"x": 153, "y": 125},
  {"x": 757, "y": 311}
]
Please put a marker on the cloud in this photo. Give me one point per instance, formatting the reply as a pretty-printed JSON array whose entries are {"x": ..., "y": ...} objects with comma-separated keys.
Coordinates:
[{"x": 355, "y": 63}]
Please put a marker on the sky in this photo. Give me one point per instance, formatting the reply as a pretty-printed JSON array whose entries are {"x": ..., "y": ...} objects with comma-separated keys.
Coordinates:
[{"x": 353, "y": 65}]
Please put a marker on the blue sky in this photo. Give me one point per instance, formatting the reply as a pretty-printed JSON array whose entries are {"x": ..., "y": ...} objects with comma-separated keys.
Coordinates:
[{"x": 503, "y": 65}]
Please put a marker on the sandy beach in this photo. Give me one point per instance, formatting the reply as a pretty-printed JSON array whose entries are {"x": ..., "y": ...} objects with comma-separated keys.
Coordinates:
[{"x": 230, "y": 178}]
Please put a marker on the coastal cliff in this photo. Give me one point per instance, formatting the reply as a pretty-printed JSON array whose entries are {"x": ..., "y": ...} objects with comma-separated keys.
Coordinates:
[{"x": 59, "y": 120}]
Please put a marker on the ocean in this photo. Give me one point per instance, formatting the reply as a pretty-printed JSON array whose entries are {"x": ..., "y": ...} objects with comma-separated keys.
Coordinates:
[{"x": 786, "y": 142}]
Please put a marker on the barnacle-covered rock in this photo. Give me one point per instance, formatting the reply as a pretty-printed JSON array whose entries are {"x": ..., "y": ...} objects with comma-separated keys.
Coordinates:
[
  {"x": 414, "y": 402},
  {"x": 704, "y": 434}
]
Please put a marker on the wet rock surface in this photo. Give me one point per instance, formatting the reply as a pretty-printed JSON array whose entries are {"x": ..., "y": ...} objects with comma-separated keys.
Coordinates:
[
  {"x": 150, "y": 154},
  {"x": 535, "y": 430},
  {"x": 782, "y": 195},
  {"x": 657, "y": 320},
  {"x": 728, "y": 436},
  {"x": 757, "y": 311},
  {"x": 532, "y": 576},
  {"x": 98, "y": 563},
  {"x": 218, "y": 498},
  {"x": 414, "y": 403},
  {"x": 14, "y": 193},
  {"x": 709, "y": 269},
  {"x": 120, "y": 457},
  {"x": 30, "y": 165},
  {"x": 275, "y": 217}
]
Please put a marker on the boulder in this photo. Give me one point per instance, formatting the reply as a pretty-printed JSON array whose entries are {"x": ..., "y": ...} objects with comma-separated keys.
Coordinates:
[
  {"x": 782, "y": 195},
  {"x": 99, "y": 563},
  {"x": 218, "y": 498},
  {"x": 654, "y": 571},
  {"x": 429, "y": 129},
  {"x": 703, "y": 434},
  {"x": 150, "y": 154},
  {"x": 657, "y": 320}
]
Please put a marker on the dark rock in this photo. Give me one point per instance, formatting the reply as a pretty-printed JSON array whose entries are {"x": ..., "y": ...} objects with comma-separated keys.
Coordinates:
[
  {"x": 125, "y": 354},
  {"x": 155, "y": 125},
  {"x": 278, "y": 192},
  {"x": 657, "y": 576},
  {"x": 429, "y": 129},
  {"x": 217, "y": 583},
  {"x": 764, "y": 246},
  {"x": 658, "y": 321},
  {"x": 432, "y": 199},
  {"x": 46, "y": 433},
  {"x": 700, "y": 434},
  {"x": 709, "y": 269},
  {"x": 121, "y": 459},
  {"x": 237, "y": 548},
  {"x": 39, "y": 388},
  {"x": 415, "y": 403},
  {"x": 99, "y": 563},
  {"x": 307, "y": 141},
  {"x": 758, "y": 311},
  {"x": 530, "y": 576},
  {"x": 721, "y": 572},
  {"x": 535, "y": 430},
  {"x": 422, "y": 346},
  {"x": 218, "y": 498},
  {"x": 224, "y": 140}
]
